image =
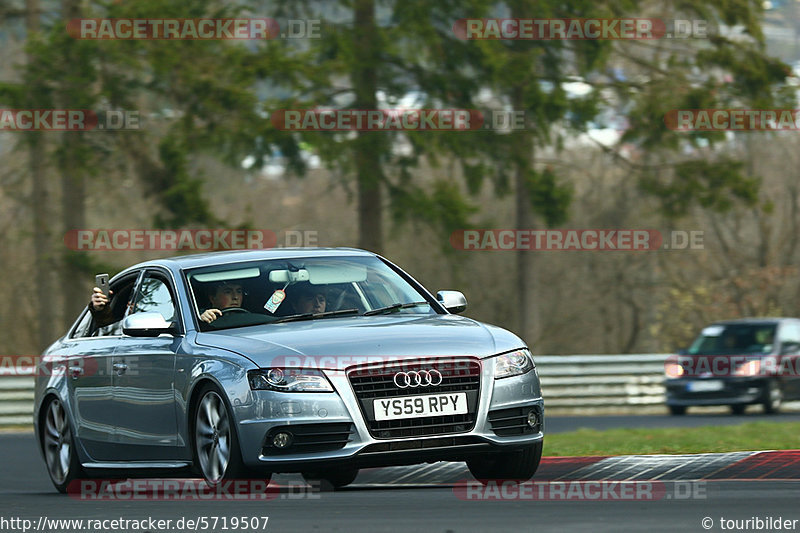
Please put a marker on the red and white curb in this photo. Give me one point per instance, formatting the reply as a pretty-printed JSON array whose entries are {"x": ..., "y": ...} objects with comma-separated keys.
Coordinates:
[{"x": 749, "y": 465}]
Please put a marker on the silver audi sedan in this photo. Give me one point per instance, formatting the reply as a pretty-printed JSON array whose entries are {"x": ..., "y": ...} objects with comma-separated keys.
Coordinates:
[{"x": 237, "y": 365}]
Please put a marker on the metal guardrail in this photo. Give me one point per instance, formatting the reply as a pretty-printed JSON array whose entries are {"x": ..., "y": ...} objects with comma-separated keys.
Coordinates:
[
  {"x": 601, "y": 381},
  {"x": 16, "y": 401},
  {"x": 568, "y": 381}
]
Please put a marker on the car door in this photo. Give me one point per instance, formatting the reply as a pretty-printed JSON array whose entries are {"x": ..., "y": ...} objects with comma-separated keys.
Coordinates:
[
  {"x": 143, "y": 379},
  {"x": 89, "y": 354}
]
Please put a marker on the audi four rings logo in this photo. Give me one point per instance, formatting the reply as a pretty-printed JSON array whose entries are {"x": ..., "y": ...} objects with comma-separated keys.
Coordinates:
[{"x": 422, "y": 378}]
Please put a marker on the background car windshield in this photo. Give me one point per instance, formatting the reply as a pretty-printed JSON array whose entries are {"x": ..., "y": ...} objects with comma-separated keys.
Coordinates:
[
  {"x": 332, "y": 283},
  {"x": 734, "y": 339}
]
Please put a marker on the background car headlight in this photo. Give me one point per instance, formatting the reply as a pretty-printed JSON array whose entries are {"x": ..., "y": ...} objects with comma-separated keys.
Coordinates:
[
  {"x": 674, "y": 370},
  {"x": 289, "y": 380},
  {"x": 750, "y": 368},
  {"x": 512, "y": 364}
]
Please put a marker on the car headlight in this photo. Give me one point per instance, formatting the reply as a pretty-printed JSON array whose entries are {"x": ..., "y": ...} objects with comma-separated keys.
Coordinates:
[
  {"x": 674, "y": 370},
  {"x": 289, "y": 380},
  {"x": 750, "y": 368},
  {"x": 512, "y": 364}
]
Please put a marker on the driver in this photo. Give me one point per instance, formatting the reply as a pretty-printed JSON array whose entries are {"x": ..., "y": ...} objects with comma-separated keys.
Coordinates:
[{"x": 224, "y": 295}]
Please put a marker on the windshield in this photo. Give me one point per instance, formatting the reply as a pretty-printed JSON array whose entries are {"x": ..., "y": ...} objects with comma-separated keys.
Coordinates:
[
  {"x": 281, "y": 290},
  {"x": 732, "y": 339}
]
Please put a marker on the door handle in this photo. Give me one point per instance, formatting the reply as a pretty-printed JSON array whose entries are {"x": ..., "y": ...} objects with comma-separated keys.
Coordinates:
[
  {"x": 120, "y": 368},
  {"x": 75, "y": 371}
]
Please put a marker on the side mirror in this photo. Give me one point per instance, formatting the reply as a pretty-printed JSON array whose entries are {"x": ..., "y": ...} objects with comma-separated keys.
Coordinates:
[
  {"x": 790, "y": 348},
  {"x": 453, "y": 301},
  {"x": 150, "y": 324}
]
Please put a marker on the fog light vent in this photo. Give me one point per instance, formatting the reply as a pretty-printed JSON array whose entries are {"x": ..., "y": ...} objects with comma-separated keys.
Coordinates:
[{"x": 282, "y": 440}]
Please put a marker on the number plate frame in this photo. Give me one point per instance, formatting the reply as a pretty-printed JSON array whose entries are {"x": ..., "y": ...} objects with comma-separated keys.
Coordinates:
[
  {"x": 432, "y": 405},
  {"x": 711, "y": 385}
]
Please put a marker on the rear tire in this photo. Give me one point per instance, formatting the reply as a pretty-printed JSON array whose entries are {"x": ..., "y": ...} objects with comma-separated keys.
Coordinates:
[
  {"x": 677, "y": 410},
  {"x": 518, "y": 465},
  {"x": 58, "y": 445},
  {"x": 328, "y": 480}
]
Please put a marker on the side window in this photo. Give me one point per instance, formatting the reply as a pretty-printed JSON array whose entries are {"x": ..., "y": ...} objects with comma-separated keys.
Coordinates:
[
  {"x": 154, "y": 296},
  {"x": 790, "y": 332},
  {"x": 109, "y": 322},
  {"x": 84, "y": 327}
]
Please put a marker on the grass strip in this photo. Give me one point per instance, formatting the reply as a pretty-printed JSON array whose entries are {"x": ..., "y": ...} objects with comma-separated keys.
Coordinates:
[{"x": 705, "y": 439}]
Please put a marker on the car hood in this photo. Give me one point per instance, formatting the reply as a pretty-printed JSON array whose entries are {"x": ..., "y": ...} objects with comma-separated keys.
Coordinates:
[{"x": 343, "y": 341}]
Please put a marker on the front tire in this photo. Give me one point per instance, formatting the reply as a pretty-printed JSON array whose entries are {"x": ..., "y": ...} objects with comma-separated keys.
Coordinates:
[
  {"x": 738, "y": 408},
  {"x": 774, "y": 398},
  {"x": 217, "y": 454},
  {"x": 677, "y": 410},
  {"x": 331, "y": 479},
  {"x": 518, "y": 465},
  {"x": 58, "y": 445}
]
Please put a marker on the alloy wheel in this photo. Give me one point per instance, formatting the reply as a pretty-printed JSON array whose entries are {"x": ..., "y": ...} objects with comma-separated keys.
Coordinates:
[
  {"x": 213, "y": 437},
  {"x": 57, "y": 443}
]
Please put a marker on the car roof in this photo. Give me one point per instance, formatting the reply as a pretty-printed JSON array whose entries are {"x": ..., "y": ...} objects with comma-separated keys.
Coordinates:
[
  {"x": 182, "y": 262},
  {"x": 752, "y": 320}
]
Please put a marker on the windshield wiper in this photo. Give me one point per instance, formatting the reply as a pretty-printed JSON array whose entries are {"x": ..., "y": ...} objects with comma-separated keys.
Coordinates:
[
  {"x": 393, "y": 307},
  {"x": 311, "y": 316}
]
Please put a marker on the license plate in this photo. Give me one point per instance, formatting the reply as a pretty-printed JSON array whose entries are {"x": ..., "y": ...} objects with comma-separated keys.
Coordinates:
[
  {"x": 419, "y": 406},
  {"x": 705, "y": 386}
]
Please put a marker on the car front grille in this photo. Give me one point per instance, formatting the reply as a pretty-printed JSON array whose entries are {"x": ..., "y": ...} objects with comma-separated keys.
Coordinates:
[
  {"x": 732, "y": 388},
  {"x": 310, "y": 438},
  {"x": 514, "y": 422},
  {"x": 421, "y": 444},
  {"x": 374, "y": 382}
]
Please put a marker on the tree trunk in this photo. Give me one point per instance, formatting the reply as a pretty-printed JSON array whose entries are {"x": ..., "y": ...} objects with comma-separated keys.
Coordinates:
[
  {"x": 73, "y": 210},
  {"x": 525, "y": 260},
  {"x": 369, "y": 173},
  {"x": 524, "y": 156},
  {"x": 42, "y": 247},
  {"x": 73, "y": 201}
]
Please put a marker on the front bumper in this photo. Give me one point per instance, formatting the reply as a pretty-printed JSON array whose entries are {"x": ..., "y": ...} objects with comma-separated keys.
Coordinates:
[
  {"x": 330, "y": 428},
  {"x": 731, "y": 391}
]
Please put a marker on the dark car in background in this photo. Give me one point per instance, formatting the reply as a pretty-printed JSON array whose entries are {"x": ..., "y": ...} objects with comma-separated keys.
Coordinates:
[{"x": 737, "y": 363}]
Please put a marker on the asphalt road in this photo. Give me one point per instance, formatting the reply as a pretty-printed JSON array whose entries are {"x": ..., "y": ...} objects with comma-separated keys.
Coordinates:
[
  {"x": 434, "y": 509},
  {"x": 416, "y": 502}
]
